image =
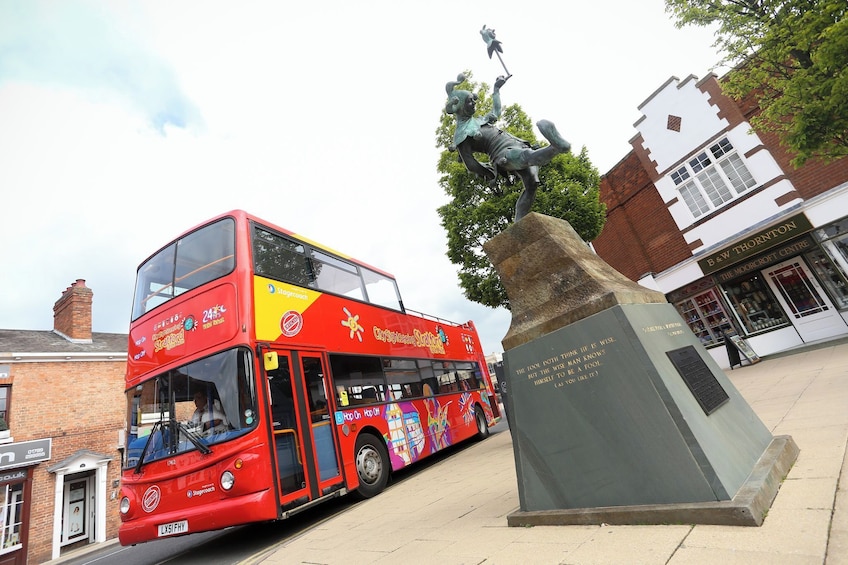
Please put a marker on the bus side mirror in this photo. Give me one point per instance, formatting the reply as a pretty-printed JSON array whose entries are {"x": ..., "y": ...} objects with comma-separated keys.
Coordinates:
[{"x": 271, "y": 361}]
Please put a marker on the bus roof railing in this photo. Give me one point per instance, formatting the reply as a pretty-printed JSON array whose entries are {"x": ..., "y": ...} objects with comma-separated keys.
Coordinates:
[{"x": 437, "y": 319}]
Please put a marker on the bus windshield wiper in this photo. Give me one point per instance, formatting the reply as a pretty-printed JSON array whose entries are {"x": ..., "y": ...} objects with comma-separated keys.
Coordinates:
[
  {"x": 192, "y": 437},
  {"x": 147, "y": 444}
]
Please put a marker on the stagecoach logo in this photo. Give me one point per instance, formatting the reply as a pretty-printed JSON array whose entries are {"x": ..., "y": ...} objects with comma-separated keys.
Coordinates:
[
  {"x": 201, "y": 491},
  {"x": 151, "y": 499},
  {"x": 291, "y": 323}
]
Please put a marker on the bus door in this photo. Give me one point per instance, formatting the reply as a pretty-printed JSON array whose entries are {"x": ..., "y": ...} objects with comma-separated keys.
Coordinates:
[
  {"x": 324, "y": 457},
  {"x": 307, "y": 458}
]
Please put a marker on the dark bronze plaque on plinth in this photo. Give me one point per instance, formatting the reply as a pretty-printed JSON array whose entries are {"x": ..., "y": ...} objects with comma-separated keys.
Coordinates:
[{"x": 699, "y": 378}]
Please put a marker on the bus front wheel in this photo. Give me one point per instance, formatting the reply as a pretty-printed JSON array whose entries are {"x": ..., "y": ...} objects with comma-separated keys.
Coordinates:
[
  {"x": 372, "y": 465},
  {"x": 482, "y": 426}
]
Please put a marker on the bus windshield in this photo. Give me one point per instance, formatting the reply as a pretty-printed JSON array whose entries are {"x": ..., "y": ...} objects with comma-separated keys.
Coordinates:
[
  {"x": 199, "y": 257},
  {"x": 191, "y": 407}
]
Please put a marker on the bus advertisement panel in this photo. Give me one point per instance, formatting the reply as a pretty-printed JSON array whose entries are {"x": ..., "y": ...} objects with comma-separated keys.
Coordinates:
[
  {"x": 267, "y": 373},
  {"x": 286, "y": 313}
]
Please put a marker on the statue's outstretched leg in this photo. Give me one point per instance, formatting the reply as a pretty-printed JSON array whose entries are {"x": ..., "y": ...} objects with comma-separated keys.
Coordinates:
[
  {"x": 530, "y": 180},
  {"x": 549, "y": 131},
  {"x": 544, "y": 155}
]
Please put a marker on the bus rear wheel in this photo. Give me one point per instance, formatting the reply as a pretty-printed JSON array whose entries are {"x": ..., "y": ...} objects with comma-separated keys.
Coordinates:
[
  {"x": 482, "y": 426},
  {"x": 372, "y": 465}
]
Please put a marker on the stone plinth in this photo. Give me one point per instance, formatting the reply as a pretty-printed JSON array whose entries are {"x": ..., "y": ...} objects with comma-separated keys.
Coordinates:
[
  {"x": 617, "y": 412},
  {"x": 553, "y": 278}
]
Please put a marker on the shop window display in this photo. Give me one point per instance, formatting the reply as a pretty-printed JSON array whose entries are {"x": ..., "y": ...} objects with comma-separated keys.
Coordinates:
[
  {"x": 831, "y": 264},
  {"x": 830, "y": 277},
  {"x": 753, "y": 303},
  {"x": 706, "y": 316}
]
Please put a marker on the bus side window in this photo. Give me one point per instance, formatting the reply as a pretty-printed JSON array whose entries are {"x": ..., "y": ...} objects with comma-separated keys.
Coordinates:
[
  {"x": 361, "y": 379},
  {"x": 467, "y": 375},
  {"x": 447, "y": 382},
  {"x": 279, "y": 258},
  {"x": 430, "y": 385}
]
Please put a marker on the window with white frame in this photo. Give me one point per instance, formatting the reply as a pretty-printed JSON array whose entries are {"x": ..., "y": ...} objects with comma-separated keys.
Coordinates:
[
  {"x": 11, "y": 516},
  {"x": 712, "y": 178}
]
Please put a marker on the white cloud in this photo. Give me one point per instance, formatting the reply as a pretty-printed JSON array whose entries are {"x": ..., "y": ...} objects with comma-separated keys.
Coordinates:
[{"x": 124, "y": 123}]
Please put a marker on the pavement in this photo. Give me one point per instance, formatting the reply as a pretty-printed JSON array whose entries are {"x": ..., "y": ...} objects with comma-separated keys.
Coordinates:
[{"x": 455, "y": 511}]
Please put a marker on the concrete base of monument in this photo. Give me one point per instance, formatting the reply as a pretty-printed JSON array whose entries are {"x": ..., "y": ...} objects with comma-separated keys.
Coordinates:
[
  {"x": 617, "y": 412},
  {"x": 747, "y": 508}
]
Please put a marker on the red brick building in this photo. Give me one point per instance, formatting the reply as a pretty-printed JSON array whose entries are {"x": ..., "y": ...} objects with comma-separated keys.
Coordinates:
[
  {"x": 61, "y": 392},
  {"x": 712, "y": 214}
]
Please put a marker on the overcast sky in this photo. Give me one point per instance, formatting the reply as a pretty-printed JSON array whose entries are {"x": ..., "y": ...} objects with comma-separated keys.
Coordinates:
[{"x": 124, "y": 123}]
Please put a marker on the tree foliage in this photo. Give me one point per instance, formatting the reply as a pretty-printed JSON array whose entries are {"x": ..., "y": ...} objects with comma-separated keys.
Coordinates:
[
  {"x": 478, "y": 210},
  {"x": 794, "y": 55}
]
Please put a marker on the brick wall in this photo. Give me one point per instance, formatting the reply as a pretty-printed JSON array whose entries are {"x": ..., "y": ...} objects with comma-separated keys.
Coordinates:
[
  {"x": 81, "y": 406},
  {"x": 812, "y": 179},
  {"x": 640, "y": 235}
]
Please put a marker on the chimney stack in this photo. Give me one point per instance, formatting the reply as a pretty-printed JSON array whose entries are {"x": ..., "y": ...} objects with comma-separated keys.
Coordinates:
[{"x": 72, "y": 313}]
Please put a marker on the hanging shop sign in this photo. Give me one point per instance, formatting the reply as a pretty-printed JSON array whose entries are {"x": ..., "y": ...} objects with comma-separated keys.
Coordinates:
[{"x": 756, "y": 243}]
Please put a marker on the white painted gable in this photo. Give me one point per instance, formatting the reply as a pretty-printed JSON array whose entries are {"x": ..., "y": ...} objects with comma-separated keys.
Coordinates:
[{"x": 699, "y": 119}]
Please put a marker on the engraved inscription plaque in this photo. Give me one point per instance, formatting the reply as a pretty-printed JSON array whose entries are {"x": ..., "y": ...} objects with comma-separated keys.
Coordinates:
[{"x": 704, "y": 386}]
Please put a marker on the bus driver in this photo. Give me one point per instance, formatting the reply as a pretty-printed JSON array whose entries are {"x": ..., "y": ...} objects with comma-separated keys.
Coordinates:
[{"x": 208, "y": 420}]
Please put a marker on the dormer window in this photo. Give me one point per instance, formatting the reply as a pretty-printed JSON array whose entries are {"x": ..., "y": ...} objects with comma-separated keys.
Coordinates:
[{"x": 712, "y": 178}]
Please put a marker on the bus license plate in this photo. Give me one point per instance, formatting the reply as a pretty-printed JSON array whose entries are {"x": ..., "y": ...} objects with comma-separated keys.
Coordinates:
[{"x": 173, "y": 528}]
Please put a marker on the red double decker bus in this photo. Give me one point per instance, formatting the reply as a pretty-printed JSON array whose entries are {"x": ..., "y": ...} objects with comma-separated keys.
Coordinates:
[{"x": 268, "y": 373}]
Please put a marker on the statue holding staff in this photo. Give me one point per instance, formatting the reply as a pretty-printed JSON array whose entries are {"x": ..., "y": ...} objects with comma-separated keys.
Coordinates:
[{"x": 507, "y": 153}]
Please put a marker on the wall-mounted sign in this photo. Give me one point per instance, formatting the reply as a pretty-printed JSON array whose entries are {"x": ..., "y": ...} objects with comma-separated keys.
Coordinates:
[
  {"x": 13, "y": 476},
  {"x": 756, "y": 243},
  {"x": 774, "y": 255},
  {"x": 24, "y": 453},
  {"x": 5, "y": 371}
]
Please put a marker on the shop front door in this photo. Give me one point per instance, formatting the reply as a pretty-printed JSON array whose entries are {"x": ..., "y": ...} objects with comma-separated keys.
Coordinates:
[{"x": 805, "y": 303}]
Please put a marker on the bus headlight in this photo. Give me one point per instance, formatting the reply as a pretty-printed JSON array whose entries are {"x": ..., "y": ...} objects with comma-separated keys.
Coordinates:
[
  {"x": 227, "y": 480},
  {"x": 125, "y": 505}
]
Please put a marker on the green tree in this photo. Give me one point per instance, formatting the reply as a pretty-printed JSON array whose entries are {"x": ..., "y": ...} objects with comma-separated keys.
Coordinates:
[
  {"x": 479, "y": 210},
  {"x": 793, "y": 54}
]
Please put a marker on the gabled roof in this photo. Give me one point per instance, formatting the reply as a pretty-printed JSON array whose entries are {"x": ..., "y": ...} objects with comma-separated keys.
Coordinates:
[{"x": 37, "y": 341}]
